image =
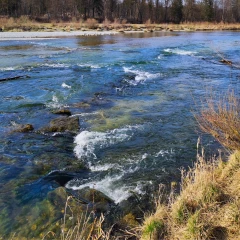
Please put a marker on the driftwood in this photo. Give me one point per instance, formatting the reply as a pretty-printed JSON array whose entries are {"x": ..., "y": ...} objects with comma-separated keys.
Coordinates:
[
  {"x": 225, "y": 61},
  {"x": 11, "y": 78}
]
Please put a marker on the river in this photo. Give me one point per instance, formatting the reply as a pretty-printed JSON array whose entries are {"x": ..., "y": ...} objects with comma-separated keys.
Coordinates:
[{"x": 135, "y": 95}]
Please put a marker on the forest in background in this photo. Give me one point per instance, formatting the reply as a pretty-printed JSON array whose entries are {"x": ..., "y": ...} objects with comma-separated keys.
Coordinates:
[{"x": 125, "y": 11}]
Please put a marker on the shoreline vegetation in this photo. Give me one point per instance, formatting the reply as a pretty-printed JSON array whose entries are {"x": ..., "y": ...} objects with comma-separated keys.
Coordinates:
[
  {"x": 24, "y": 24},
  {"x": 208, "y": 205}
]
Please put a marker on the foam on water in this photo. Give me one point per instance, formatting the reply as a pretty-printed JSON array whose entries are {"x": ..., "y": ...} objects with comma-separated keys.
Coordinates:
[
  {"x": 140, "y": 76},
  {"x": 55, "y": 103},
  {"x": 89, "y": 65},
  {"x": 179, "y": 51},
  {"x": 105, "y": 167},
  {"x": 88, "y": 142},
  {"x": 7, "y": 69},
  {"x": 11, "y": 68},
  {"x": 110, "y": 186},
  {"x": 85, "y": 114},
  {"x": 55, "y": 65},
  {"x": 64, "y": 85},
  {"x": 105, "y": 186},
  {"x": 164, "y": 153}
]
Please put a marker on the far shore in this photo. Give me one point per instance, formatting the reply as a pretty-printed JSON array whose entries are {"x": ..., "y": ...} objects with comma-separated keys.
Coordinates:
[
  {"x": 28, "y": 30},
  {"x": 40, "y": 35}
]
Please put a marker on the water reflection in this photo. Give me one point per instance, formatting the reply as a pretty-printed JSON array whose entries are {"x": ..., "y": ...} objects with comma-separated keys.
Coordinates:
[{"x": 96, "y": 40}]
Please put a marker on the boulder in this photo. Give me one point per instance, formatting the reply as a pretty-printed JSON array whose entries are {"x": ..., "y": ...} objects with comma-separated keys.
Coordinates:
[
  {"x": 63, "y": 124},
  {"x": 95, "y": 199},
  {"x": 82, "y": 105},
  {"x": 63, "y": 112},
  {"x": 24, "y": 128}
]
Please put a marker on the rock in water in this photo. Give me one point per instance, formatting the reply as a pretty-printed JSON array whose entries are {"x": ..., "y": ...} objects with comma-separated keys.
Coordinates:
[
  {"x": 63, "y": 112},
  {"x": 63, "y": 124},
  {"x": 24, "y": 128}
]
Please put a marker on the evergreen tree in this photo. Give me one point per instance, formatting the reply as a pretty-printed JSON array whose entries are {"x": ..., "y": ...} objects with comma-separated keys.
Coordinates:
[
  {"x": 177, "y": 11},
  {"x": 208, "y": 10}
]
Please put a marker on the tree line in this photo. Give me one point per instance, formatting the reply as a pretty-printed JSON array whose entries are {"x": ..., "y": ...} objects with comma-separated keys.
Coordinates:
[{"x": 131, "y": 11}]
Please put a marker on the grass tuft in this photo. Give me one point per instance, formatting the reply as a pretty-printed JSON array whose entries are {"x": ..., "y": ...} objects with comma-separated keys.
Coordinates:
[
  {"x": 208, "y": 206},
  {"x": 221, "y": 118}
]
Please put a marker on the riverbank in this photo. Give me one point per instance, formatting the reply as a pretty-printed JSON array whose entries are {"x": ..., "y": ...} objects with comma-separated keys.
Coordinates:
[
  {"x": 136, "y": 129},
  {"x": 41, "y": 35},
  {"x": 92, "y": 27},
  {"x": 20, "y": 32},
  {"x": 207, "y": 207}
]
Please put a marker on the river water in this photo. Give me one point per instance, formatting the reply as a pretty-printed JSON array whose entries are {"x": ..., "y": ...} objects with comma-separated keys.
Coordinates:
[{"x": 135, "y": 95}]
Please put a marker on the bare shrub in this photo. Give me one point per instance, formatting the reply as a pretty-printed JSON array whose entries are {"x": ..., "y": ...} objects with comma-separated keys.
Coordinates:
[
  {"x": 124, "y": 21},
  {"x": 116, "y": 23},
  {"x": 106, "y": 23},
  {"x": 148, "y": 23},
  {"x": 91, "y": 23},
  {"x": 23, "y": 20},
  {"x": 221, "y": 118}
]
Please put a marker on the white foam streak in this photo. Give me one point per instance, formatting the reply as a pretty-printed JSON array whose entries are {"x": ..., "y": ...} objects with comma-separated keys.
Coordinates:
[
  {"x": 55, "y": 65},
  {"x": 7, "y": 69},
  {"x": 55, "y": 103},
  {"x": 64, "y": 85},
  {"x": 141, "y": 76},
  {"x": 94, "y": 66},
  {"x": 179, "y": 51},
  {"x": 163, "y": 153},
  {"x": 105, "y": 167},
  {"x": 110, "y": 187},
  {"x": 85, "y": 114},
  {"x": 105, "y": 186},
  {"x": 87, "y": 142}
]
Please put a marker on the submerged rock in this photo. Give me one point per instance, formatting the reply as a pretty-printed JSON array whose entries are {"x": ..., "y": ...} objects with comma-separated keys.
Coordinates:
[
  {"x": 24, "y": 128},
  {"x": 93, "y": 195},
  {"x": 63, "y": 124},
  {"x": 225, "y": 61},
  {"x": 63, "y": 112},
  {"x": 128, "y": 221},
  {"x": 82, "y": 105},
  {"x": 94, "y": 199}
]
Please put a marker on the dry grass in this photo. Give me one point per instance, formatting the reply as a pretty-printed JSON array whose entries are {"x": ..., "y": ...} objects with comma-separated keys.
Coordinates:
[
  {"x": 221, "y": 118},
  {"x": 91, "y": 23},
  {"x": 25, "y": 24},
  {"x": 79, "y": 225},
  {"x": 208, "y": 206}
]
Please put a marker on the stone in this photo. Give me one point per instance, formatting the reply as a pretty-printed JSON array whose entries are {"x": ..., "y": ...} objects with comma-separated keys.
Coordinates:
[
  {"x": 96, "y": 200},
  {"x": 24, "y": 128},
  {"x": 82, "y": 105},
  {"x": 63, "y": 124},
  {"x": 63, "y": 112}
]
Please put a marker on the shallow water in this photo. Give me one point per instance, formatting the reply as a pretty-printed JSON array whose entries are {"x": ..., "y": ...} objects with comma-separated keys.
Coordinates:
[{"x": 137, "y": 94}]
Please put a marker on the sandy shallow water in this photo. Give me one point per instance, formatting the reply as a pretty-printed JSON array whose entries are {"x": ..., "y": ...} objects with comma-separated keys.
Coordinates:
[{"x": 30, "y": 35}]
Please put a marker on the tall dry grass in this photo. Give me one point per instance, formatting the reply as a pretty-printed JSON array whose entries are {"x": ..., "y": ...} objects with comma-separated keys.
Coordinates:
[
  {"x": 208, "y": 206},
  {"x": 221, "y": 118},
  {"x": 79, "y": 225}
]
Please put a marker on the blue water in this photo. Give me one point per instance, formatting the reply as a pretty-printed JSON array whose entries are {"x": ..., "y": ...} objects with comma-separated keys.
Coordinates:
[{"x": 137, "y": 127}]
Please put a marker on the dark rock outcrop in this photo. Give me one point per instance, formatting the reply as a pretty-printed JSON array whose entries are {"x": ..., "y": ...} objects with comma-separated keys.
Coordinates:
[
  {"x": 63, "y": 112},
  {"x": 24, "y": 128},
  {"x": 63, "y": 124}
]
